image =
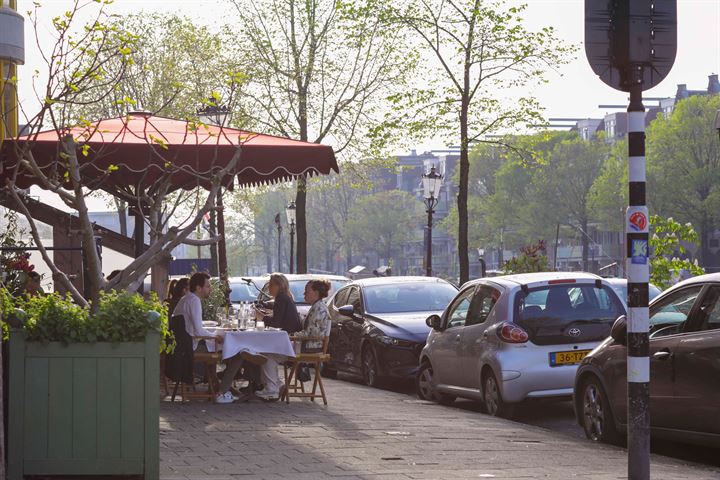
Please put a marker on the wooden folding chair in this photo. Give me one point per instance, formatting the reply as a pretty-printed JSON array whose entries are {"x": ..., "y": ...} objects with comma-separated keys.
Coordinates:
[
  {"x": 209, "y": 361},
  {"x": 294, "y": 387},
  {"x": 183, "y": 360}
]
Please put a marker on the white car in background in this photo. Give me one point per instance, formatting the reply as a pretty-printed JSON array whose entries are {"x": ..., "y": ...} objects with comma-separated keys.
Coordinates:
[
  {"x": 297, "y": 288},
  {"x": 620, "y": 287}
]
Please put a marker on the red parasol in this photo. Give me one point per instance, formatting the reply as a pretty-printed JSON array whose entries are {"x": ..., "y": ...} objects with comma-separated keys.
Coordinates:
[{"x": 134, "y": 151}]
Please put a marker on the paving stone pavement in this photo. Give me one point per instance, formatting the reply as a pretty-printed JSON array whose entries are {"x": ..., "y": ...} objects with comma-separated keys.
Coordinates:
[{"x": 375, "y": 434}]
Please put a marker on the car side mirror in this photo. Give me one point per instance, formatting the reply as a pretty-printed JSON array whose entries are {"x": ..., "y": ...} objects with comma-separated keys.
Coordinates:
[
  {"x": 618, "y": 332},
  {"x": 434, "y": 322},
  {"x": 347, "y": 311}
]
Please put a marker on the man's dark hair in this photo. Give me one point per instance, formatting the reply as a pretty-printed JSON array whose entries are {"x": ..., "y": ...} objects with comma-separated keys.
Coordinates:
[
  {"x": 34, "y": 275},
  {"x": 198, "y": 279}
]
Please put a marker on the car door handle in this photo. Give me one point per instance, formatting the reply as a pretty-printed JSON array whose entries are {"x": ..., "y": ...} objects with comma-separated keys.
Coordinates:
[
  {"x": 664, "y": 354},
  {"x": 458, "y": 337}
]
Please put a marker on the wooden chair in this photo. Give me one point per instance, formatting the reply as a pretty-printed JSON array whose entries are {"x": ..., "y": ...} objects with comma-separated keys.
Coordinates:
[
  {"x": 209, "y": 361},
  {"x": 180, "y": 364},
  {"x": 294, "y": 387}
]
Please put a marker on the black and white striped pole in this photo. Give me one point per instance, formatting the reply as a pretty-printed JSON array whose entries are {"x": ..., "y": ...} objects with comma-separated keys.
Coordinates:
[
  {"x": 631, "y": 46},
  {"x": 637, "y": 269}
]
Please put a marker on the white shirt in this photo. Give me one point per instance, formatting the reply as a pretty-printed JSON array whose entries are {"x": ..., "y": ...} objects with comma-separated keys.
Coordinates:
[{"x": 190, "y": 307}]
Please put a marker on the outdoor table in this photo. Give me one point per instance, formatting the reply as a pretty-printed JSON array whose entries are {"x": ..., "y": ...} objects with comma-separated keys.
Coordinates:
[{"x": 264, "y": 341}]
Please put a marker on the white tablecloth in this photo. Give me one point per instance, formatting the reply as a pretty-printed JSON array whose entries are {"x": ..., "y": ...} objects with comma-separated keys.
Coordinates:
[{"x": 265, "y": 342}]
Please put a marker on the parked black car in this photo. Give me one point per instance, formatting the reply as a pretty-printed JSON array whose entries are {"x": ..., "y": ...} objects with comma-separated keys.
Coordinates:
[
  {"x": 684, "y": 370},
  {"x": 378, "y": 325}
]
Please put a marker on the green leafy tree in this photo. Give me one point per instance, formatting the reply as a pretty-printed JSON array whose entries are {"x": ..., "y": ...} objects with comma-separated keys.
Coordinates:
[
  {"x": 320, "y": 71},
  {"x": 668, "y": 239},
  {"x": 532, "y": 258},
  {"x": 562, "y": 185},
  {"x": 384, "y": 220},
  {"x": 173, "y": 68},
  {"x": 684, "y": 167},
  {"x": 608, "y": 197},
  {"x": 484, "y": 51}
]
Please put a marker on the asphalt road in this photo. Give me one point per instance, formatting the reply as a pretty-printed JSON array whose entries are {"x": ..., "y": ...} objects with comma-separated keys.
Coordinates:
[{"x": 558, "y": 416}]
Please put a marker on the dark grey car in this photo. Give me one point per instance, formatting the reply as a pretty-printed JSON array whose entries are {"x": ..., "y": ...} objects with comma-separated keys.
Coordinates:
[{"x": 684, "y": 370}]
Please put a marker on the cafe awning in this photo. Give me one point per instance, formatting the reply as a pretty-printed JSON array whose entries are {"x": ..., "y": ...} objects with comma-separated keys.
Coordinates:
[{"x": 134, "y": 151}]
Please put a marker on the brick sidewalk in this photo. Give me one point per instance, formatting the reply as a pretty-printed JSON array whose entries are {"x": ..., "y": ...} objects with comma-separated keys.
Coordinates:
[{"x": 375, "y": 434}]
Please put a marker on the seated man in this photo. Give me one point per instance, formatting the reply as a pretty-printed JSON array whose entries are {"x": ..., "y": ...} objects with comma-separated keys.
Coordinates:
[{"x": 190, "y": 307}]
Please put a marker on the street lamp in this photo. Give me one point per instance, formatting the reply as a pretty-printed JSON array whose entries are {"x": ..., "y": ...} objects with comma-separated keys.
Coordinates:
[
  {"x": 279, "y": 229},
  {"x": 432, "y": 181},
  {"x": 215, "y": 114},
  {"x": 290, "y": 211}
]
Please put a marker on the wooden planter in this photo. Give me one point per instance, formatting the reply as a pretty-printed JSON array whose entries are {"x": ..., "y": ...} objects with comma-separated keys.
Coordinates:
[{"x": 83, "y": 409}]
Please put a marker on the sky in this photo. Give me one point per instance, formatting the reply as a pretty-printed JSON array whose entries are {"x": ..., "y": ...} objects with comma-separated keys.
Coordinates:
[{"x": 574, "y": 92}]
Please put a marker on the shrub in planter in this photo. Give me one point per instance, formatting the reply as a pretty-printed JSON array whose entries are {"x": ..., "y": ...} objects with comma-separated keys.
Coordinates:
[
  {"x": 121, "y": 317},
  {"x": 85, "y": 387}
]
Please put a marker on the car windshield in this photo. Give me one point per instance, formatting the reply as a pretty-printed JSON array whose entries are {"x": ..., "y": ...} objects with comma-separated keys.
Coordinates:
[
  {"x": 567, "y": 313},
  {"x": 408, "y": 297},
  {"x": 242, "y": 292}
]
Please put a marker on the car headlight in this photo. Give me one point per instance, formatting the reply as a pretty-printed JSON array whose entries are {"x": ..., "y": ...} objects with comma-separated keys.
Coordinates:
[{"x": 386, "y": 340}]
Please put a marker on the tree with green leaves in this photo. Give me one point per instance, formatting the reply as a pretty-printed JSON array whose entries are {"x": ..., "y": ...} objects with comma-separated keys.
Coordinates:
[
  {"x": 683, "y": 156},
  {"x": 173, "y": 68},
  {"x": 562, "y": 185},
  {"x": 487, "y": 60},
  {"x": 85, "y": 65},
  {"x": 382, "y": 221},
  {"x": 320, "y": 71},
  {"x": 532, "y": 258},
  {"x": 668, "y": 242}
]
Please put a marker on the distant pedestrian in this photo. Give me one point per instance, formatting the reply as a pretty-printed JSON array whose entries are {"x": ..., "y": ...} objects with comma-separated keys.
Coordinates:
[{"x": 32, "y": 285}]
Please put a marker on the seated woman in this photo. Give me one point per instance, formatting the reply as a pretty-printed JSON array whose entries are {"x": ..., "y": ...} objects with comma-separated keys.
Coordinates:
[
  {"x": 317, "y": 322},
  {"x": 285, "y": 317}
]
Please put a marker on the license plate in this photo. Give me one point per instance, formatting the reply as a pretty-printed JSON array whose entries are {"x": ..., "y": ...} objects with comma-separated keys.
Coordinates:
[{"x": 567, "y": 358}]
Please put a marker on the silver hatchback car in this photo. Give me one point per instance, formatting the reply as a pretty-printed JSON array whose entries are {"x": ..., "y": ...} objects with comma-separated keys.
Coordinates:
[{"x": 505, "y": 339}]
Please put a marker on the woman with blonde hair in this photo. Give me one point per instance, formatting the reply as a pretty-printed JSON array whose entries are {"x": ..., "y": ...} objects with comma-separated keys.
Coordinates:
[
  {"x": 284, "y": 313},
  {"x": 285, "y": 316}
]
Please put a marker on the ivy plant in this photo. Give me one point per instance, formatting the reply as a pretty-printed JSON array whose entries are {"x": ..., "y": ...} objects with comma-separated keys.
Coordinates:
[{"x": 669, "y": 241}]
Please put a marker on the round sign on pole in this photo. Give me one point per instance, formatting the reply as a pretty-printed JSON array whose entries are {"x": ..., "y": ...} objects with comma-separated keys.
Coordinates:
[{"x": 626, "y": 35}]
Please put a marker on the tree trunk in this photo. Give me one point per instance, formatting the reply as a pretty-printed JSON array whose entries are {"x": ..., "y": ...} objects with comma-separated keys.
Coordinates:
[
  {"x": 349, "y": 256},
  {"x": 301, "y": 225},
  {"x": 706, "y": 259},
  {"x": 585, "y": 245},
  {"x": 122, "y": 215},
  {"x": 301, "y": 193},
  {"x": 462, "y": 196}
]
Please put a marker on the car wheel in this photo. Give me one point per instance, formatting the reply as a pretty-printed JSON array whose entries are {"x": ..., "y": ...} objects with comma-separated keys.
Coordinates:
[
  {"x": 370, "y": 375},
  {"x": 597, "y": 419},
  {"x": 425, "y": 390},
  {"x": 492, "y": 398},
  {"x": 423, "y": 382},
  {"x": 327, "y": 371}
]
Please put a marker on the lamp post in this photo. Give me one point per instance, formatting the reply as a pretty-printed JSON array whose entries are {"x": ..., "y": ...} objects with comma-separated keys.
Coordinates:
[
  {"x": 290, "y": 211},
  {"x": 717, "y": 121},
  {"x": 217, "y": 115},
  {"x": 432, "y": 181},
  {"x": 279, "y": 229}
]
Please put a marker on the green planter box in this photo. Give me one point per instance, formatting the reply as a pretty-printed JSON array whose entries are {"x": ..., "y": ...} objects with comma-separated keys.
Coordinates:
[{"x": 83, "y": 409}]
